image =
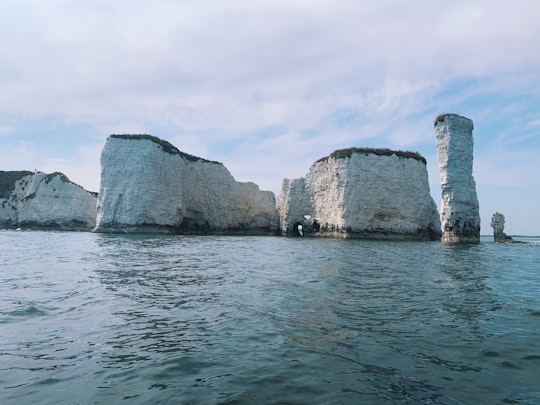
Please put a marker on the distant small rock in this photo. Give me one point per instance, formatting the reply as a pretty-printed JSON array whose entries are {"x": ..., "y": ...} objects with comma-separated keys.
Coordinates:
[{"x": 497, "y": 223}]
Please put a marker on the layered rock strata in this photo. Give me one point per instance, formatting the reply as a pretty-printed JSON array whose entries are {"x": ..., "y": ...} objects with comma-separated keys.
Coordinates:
[
  {"x": 497, "y": 223},
  {"x": 362, "y": 193},
  {"x": 460, "y": 216},
  {"x": 148, "y": 185},
  {"x": 38, "y": 200}
]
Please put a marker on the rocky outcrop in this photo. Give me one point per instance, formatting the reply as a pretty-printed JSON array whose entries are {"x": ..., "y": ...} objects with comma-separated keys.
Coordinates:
[
  {"x": 363, "y": 193},
  {"x": 38, "y": 200},
  {"x": 460, "y": 217},
  {"x": 148, "y": 185},
  {"x": 497, "y": 223}
]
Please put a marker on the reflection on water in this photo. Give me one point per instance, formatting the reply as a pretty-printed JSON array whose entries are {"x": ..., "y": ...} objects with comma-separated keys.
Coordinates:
[{"x": 109, "y": 318}]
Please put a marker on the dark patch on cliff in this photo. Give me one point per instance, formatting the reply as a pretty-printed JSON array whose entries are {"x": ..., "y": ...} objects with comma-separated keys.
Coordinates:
[
  {"x": 422, "y": 234},
  {"x": 71, "y": 225},
  {"x": 442, "y": 117},
  {"x": 48, "y": 178},
  {"x": 8, "y": 180},
  {"x": 347, "y": 153},
  {"x": 187, "y": 227},
  {"x": 166, "y": 146}
]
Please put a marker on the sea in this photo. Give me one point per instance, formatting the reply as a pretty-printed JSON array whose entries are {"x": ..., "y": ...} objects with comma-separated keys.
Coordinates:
[{"x": 158, "y": 319}]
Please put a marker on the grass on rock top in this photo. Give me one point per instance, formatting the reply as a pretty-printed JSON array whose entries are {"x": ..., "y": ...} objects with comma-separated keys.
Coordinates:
[
  {"x": 346, "y": 153},
  {"x": 166, "y": 146}
]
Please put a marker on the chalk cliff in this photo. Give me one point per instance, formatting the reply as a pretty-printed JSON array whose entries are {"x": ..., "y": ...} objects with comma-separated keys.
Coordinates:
[
  {"x": 148, "y": 185},
  {"x": 460, "y": 216},
  {"x": 363, "y": 193},
  {"x": 44, "y": 201}
]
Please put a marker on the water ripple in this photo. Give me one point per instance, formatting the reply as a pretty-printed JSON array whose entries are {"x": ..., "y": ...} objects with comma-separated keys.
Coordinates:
[{"x": 233, "y": 320}]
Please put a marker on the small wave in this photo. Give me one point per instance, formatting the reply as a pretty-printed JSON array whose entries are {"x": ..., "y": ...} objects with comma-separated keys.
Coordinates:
[
  {"x": 237, "y": 320},
  {"x": 532, "y": 240},
  {"x": 30, "y": 311}
]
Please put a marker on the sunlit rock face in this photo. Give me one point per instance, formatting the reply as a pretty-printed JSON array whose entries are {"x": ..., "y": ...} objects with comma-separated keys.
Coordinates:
[
  {"x": 140, "y": 185},
  {"x": 362, "y": 193},
  {"x": 38, "y": 200},
  {"x": 148, "y": 185},
  {"x": 460, "y": 217}
]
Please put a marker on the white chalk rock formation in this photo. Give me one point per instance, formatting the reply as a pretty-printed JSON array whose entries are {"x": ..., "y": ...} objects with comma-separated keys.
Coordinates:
[
  {"x": 497, "y": 223},
  {"x": 148, "y": 185},
  {"x": 460, "y": 216},
  {"x": 45, "y": 201},
  {"x": 363, "y": 193}
]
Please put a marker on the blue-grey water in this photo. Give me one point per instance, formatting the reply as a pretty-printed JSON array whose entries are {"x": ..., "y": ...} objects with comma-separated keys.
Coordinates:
[{"x": 104, "y": 319}]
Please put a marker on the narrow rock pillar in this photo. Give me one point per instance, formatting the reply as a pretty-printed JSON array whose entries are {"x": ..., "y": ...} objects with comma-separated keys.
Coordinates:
[
  {"x": 460, "y": 217},
  {"x": 497, "y": 223}
]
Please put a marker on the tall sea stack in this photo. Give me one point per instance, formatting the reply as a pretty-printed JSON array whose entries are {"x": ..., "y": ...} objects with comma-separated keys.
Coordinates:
[{"x": 460, "y": 217}]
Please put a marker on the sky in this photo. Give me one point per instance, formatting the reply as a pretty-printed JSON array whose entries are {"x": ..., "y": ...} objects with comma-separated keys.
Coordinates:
[{"x": 267, "y": 87}]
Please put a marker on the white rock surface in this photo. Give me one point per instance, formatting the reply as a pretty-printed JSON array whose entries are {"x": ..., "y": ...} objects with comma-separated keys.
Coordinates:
[
  {"x": 497, "y": 223},
  {"x": 460, "y": 216},
  {"x": 140, "y": 186},
  {"x": 148, "y": 185},
  {"x": 293, "y": 202},
  {"x": 366, "y": 193},
  {"x": 45, "y": 201}
]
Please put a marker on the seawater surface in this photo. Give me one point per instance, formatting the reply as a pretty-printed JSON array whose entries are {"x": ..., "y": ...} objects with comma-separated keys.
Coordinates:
[{"x": 103, "y": 319}]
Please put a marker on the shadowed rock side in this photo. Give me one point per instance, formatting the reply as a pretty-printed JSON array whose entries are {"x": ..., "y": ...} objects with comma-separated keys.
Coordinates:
[
  {"x": 148, "y": 185},
  {"x": 45, "y": 201},
  {"x": 460, "y": 215},
  {"x": 362, "y": 193}
]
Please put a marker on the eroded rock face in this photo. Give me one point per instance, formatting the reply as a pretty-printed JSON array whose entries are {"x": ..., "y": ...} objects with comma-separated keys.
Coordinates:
[
  {"x": 364, "y": 193},
  {"x": 460, "y": 216},
  {"x": 497, "y": 223},
  {"x": 148, "y": 185},
  {"x": 45, "y": 201}
]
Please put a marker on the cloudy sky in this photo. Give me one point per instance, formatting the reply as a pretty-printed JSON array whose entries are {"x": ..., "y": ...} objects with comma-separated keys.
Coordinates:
[{"x": 269, "y": 86}]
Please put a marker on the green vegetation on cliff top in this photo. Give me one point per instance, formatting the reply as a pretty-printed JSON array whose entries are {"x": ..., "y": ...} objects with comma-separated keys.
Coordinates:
[
  {"x": 166, "y": 146},
  {"x": 347, "y": 153},
  {"x": 441, "y": 117}
]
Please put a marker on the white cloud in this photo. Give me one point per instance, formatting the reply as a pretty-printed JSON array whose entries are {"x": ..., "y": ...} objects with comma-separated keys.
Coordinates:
[
  {"x": 505, "y": 167},
  {"x": 82, "y": 166},
  {"x": 18, "y": 156},
  {"x": 255, "y": 83}
]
